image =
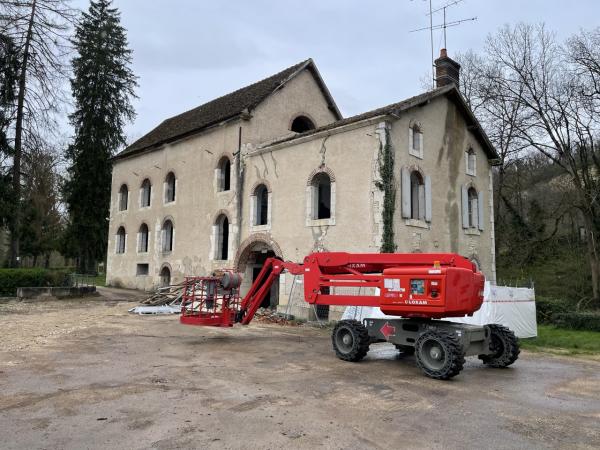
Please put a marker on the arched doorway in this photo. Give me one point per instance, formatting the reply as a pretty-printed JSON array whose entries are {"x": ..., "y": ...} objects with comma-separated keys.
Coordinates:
[
  {"x": 165, "y": 276},
  {"x": 250, "y": 259}
]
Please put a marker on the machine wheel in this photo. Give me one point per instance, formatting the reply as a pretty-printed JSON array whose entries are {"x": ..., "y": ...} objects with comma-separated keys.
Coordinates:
[
  {"x": 504, "y": 346},
  {"x": 350, "y": 340},
  {"x": 439, "y": 354},
  {"x": 406, "y": 350}
]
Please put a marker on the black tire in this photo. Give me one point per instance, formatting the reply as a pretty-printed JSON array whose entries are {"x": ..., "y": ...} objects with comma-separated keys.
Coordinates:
[
  {"x": 350, "y": 340},
  {"x": 504, "y": 345},
  {"x": 406, "y": 350},
  {"x": 439, "y": 354}
]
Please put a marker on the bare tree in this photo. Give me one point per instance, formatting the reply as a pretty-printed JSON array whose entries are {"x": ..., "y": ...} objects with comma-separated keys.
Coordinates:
[
  {"x": 39, "y": 29},
  {"x": 556, "y": 114}
]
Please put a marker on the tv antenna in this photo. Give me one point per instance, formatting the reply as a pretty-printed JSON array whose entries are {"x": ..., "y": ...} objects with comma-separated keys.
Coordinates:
[{"x": 442, "y": 26}]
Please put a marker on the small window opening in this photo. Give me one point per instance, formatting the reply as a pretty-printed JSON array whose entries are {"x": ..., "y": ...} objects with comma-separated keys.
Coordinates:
[
  {"x": 165, "y": 276},
  {"x": 123, "y": 197},
  {"x": 146, "y": 193},
  {"x": 471, "y": 162},
  {"x": 222, "y": 240},
  {"x": 142, "y": 270},
  {"x": 224, "y": 174},
  {"x": 167, "y": 236},
  {"x": 472, "y": 207},
  {"x": 121, "y": 240},
  {"x": 170, "y": 188},
  {"x": 417, "y": 196},
  {"x": 302, "y": 124},
  {"x": 143, "y": 239},
  {"x": 417, "y": 136},
  {"x": 262, "y": 205},
  {"x": 322, "y": 196}
]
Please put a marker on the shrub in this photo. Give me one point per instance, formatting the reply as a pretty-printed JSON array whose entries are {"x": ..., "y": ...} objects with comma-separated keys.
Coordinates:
[
  {"x": 11, "y": 279},
  {"x": 589, "y": 321},
  {"x": 548, "y": 307}
]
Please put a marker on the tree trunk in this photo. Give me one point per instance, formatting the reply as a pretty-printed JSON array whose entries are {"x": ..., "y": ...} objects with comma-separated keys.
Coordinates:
[
  {"x": 15, "y": 223},
  {"x": 593, "y": 256}
]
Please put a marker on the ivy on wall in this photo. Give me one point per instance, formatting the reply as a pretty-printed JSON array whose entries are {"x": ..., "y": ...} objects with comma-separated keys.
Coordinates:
[{"x": 387, "y": 185}]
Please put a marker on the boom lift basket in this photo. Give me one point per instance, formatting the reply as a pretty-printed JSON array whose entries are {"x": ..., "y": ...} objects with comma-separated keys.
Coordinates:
[{"x": 211, "y": 301}]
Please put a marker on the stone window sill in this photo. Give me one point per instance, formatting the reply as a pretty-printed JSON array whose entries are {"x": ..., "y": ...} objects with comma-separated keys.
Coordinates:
[
  {"x": 471, "y": 174},
  {"x": 320, "y": 222},
  {"x": 416, "y": 154},
  {"x": 257, "y": 228},
  {"x": 472, "y": 232},
  {"x": 416, "y": 223}
]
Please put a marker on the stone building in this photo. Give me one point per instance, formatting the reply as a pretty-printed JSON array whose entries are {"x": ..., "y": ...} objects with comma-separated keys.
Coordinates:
[{"x": 274, "y": 169}]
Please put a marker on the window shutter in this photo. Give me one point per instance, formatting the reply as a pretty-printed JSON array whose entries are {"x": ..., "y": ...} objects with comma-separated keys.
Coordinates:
[
  {"x": 427, "y": 198},
  {"x": 405, "y": 193},
  {"x": 465, "y": 207},
  {"x": 480, "y": 210}
]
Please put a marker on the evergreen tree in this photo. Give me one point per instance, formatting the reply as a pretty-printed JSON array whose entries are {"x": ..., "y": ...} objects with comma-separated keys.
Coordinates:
[{"x": 103, "y": 86}]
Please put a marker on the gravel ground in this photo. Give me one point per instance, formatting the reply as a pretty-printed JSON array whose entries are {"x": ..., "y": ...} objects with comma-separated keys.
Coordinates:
[{"x": 86, "y": 374}]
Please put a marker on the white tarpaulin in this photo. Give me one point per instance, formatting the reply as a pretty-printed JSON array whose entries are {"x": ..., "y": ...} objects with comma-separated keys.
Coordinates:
[{"x": 511, "y": 307}]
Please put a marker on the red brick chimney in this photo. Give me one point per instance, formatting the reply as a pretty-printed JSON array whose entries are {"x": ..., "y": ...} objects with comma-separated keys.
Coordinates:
[{"x": 447, "y": 70}]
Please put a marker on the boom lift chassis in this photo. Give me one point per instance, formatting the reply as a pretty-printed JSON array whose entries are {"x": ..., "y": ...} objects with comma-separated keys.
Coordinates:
[{"x": 418, "y": 288}]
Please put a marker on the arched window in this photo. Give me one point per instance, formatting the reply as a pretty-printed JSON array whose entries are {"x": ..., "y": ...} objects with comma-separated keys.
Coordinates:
[
  {"x": 321, "y": 184},
  {"x": 261, "y": 195},
  {"x": 222, "y": 238},
  {"x": 123, "y": 197},
  {"x": 416, "y": 141},
  {"x": 146, "y": 193},
  {"x": 473, "y": 213},
  {"x": 167, "y": 236},
  {"x": 170, "y": 188},
  {"x": 121, "y": 237},
  {"x": 165, "y": 276},
  {"x": 143, "y": 238},
  {"x": 301, "y": 124},
  {"x": 471, "y": 162},
  {"x": 417, "y": 196},
  {"x": 224, "y": 174}
]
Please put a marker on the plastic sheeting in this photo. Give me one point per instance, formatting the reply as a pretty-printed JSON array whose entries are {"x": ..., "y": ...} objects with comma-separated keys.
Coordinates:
[{"x": 509, "y": 306}]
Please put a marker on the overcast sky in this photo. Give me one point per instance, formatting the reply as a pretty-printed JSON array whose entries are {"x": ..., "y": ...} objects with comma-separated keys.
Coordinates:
[{"x": 187, "y": 52}]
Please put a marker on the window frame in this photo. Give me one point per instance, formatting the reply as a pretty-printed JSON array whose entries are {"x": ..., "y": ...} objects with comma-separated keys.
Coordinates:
[
  {"x": 121, "y": 241},
  {"x": 146, "y": 185},
  {"x": 471, "y": 156},
  {"x": 415, "y": 129},
  {"x": 123, "y": 197},
  {"x": 140, "y": 238},
  {"x": 312, "y": 198},
  {"x": 170, "y": 188},
  {"x": 171, "y": 238},
  {"x": 223, "y": 174}
]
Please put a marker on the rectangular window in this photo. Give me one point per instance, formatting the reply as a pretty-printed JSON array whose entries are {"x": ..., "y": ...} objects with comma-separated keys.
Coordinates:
[{"x": 142, "y": 269}]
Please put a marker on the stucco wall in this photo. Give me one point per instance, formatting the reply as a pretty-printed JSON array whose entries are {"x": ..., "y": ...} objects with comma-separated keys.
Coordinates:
[{"x": 197, "y": 203}]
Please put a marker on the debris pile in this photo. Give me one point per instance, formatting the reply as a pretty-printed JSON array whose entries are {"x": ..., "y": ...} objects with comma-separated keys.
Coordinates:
[
  {"x": 165, "y": 300},
  {"x": 165, "y": 295},
  {"x": 270, "y": 316}
]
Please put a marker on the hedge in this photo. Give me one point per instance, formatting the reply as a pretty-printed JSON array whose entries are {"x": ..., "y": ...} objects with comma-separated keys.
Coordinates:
[
  {"x": 11, "y": 279},
  {"x": 589, "y": 321},
  {"x": 547, "y": 308}
]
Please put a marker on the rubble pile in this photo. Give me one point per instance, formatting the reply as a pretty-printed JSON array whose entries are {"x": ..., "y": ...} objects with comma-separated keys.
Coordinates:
[{"x": 267, "y": 315}]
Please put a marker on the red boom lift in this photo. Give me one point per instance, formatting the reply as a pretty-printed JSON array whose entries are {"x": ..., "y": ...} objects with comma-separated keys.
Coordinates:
[{"x": 419, "y": 288}]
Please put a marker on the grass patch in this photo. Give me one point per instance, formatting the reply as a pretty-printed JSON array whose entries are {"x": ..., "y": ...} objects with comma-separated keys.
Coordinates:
[
  {"x": 569, "y": 342},
  {"x": 100, "y": 280}
]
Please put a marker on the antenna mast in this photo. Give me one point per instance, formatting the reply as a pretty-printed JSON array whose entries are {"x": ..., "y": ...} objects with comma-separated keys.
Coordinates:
[{"x": 443, "y": 26}]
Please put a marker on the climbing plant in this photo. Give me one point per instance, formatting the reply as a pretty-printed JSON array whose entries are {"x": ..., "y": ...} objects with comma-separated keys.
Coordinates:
[{"x": 386, "y": 184}]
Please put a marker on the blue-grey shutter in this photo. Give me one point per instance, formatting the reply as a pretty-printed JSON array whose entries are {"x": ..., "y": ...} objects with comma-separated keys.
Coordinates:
[
  {"x": 427, "y": 198},
  {"x": 465, "y": 207},
  {"x": 480, "y": 207},
  {"x": 405, "y": 193}
]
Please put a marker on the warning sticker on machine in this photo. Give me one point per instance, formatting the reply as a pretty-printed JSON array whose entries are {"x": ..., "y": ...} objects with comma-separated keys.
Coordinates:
[{"x": 391, "y": 284}]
